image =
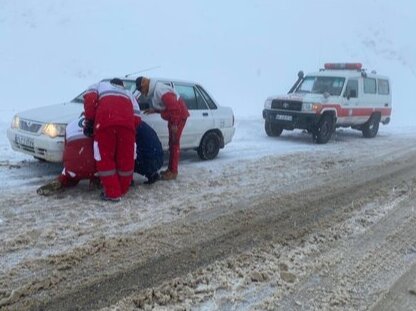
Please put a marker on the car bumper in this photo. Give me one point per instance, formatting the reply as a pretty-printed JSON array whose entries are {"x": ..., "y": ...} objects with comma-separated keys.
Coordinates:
[
  {"x": 38, "y": 146},
  {"x": 228, "y": 134},
  {"x": 290, "y": 120}
]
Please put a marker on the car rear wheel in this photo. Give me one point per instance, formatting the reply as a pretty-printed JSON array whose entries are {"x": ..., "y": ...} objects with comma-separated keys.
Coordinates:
[
  {"x": 272, "y": 130},
  {"x": 209, "y": 147},
  {"x": 370, "y": 128}
]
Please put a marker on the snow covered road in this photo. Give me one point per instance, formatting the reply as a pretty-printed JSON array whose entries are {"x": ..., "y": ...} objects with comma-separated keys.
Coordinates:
[{"x": 291, "y": 225}]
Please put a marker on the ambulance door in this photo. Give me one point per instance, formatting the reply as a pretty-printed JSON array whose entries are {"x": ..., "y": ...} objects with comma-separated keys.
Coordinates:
[
  {"x": 370, "y": 99},
  {"x": 351, "y": 103}
]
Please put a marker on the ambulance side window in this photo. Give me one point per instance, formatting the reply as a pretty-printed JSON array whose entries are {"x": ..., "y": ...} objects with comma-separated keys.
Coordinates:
[
  {"x": 370, "y": 86},
  {"x": 383, "y": 87},
  {"x": 351, "y": 91}
]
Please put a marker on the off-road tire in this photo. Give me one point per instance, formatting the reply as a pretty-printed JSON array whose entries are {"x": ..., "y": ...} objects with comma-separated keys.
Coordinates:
[
  {"x": 370, "y": 128},
  {"x": 324, "y": 129},
  {"x": 272, "y": 130}
]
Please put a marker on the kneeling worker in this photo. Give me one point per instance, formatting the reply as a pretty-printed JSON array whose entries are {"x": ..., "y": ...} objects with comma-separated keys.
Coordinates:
[
  {"x": 149, "y": 151},
  {"x": 79, "y": 160}
]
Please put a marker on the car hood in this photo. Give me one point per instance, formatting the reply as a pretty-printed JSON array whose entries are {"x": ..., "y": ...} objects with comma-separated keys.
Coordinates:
[{"x": 60, "y": 113}]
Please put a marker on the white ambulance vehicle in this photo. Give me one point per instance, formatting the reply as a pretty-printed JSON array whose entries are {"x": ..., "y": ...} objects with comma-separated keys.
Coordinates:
[{"x": 339, "y": 95}]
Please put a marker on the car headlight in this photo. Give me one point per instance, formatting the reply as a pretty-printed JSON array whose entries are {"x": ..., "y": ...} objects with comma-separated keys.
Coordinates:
[
  {"x": 268, "y": 103},
  {"x": 15, "y": 122},
  {"x": 53, "y": 130}
]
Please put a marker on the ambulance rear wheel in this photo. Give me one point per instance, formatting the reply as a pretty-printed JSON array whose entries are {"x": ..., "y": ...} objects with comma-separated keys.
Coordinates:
[{"x": 370, "y": 128}]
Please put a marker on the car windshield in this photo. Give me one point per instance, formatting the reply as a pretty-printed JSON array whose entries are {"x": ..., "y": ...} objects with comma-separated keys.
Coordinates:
[
  {"x": 320, "y": 85},
  {"x": 128, "y": 84}
]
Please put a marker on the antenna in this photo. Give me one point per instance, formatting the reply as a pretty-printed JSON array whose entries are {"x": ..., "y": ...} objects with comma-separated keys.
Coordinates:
[{"x": 140, "y": 71}]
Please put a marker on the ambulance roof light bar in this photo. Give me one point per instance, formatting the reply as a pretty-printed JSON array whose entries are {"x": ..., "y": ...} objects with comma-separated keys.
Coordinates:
[{"x": 343, "y": 66}]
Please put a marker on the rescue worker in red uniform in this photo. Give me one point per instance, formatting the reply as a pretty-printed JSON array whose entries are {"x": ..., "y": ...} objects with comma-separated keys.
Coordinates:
[
  {"x": 78, "y": 160},
  {"x": 77, "y": 143},
  {"x": 114, "y": 113},
  {"x": 173, "y": 109},
  {"x": 79, "y": 163}
]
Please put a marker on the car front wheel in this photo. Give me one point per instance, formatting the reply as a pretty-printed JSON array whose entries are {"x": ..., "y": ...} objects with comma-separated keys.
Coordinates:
[{"x": 209, "y": 147}]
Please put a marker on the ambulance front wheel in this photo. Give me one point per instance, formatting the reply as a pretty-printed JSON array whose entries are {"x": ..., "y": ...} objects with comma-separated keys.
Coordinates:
[
  {"x": 324, "y": 129},
  {"x": 272, "y": 130}
]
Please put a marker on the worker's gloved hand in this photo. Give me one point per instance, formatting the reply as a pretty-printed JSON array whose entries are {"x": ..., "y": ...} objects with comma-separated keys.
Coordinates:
[{"x": 88, "y": 128}]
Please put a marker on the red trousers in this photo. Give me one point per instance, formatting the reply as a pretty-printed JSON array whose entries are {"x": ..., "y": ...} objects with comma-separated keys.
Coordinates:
[
  {"x": 78, "y": 161},
  {"x": 175, "y": 127},
  {"x": 114, "y": 155}
]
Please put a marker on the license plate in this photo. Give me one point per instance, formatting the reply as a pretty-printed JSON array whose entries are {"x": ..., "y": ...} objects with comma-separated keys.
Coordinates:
[
  {"x": 283, "y": 117},
  {"x": 25, "y": 141}
]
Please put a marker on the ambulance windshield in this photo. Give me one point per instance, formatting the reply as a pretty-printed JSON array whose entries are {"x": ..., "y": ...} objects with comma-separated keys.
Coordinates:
[{"x": 320, "y": 85}]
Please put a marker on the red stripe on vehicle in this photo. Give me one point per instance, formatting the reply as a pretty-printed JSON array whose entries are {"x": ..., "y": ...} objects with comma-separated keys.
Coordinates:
[{"x": 356, "y": 112}]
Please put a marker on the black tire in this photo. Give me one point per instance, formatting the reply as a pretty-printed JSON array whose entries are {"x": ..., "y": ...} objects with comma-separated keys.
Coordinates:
[
  {"x": 272, "y": 130},
  {"x": 325, "y": 129},
  {"x": 370, "y": 128},
  {"x": 209, "y": 146}
]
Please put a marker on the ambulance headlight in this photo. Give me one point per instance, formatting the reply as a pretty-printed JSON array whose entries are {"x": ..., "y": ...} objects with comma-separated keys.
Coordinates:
[
  {"x": 268, "y": 103},
  {"x": 54, "y": 130},
  {"x": 15, "y": 122},
  {"x": 307, "y": 106},
  {"x": 311, "y": 107}
]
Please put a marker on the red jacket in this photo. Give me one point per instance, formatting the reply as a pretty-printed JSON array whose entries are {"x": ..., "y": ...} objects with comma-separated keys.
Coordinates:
[
  {"x": 174, "y": 108},
  {"x": 167, "y": 101},
  {"x": 78, "y": 158},
  {"x": 109, "y": 105}
]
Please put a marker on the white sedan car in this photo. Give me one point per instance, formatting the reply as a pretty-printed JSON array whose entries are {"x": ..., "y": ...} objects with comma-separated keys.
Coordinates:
[{"x": 40, "y": 131}]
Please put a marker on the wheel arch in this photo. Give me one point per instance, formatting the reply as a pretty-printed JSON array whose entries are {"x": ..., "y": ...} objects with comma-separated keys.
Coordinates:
[
  {"x": 376, "y": 114},
  {"x": 330, "y": 111}
]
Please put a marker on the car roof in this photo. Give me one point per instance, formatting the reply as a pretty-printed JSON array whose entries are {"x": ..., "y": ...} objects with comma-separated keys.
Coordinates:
[{"x": 133, "y": 79}]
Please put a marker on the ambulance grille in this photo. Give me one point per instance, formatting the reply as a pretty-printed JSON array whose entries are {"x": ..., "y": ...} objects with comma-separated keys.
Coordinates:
[{"x": 286, "y": 105}]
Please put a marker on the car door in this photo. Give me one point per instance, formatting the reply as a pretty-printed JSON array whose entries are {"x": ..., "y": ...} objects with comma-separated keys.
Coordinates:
[{"x": 200, "y": 119}]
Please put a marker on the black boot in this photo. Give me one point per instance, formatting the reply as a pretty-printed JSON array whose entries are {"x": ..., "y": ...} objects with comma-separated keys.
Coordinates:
[{"x": 152, "y": 178}]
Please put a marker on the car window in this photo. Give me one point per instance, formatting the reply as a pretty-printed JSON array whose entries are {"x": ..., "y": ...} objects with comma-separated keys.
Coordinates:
[
  {"x": 79, "y": 99},
  {"x": 187, "y": 93},
  {"x": 130, "y": 85},
  {"x": 207, "y": 98},
  {"x": 202, "y": 105}
]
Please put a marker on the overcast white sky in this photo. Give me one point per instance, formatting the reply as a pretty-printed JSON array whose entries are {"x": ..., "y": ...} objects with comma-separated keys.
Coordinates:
[{"x": 241, "y": 51}]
